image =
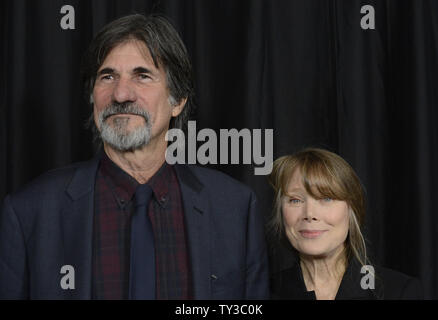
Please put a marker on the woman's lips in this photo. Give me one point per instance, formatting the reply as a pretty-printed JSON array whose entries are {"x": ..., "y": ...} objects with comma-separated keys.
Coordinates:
[{"x": 311, "y": 234}]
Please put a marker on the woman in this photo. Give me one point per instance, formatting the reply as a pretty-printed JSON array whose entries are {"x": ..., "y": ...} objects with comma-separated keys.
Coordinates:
[{"x": 319, "y": 208}]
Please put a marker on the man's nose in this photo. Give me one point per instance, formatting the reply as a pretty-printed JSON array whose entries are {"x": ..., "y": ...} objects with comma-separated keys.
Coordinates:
[{"x": 124, "y": 91}]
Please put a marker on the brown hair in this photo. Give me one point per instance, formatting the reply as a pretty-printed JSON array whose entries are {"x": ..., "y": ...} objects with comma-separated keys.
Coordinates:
[{"x": 324, "y": 175}]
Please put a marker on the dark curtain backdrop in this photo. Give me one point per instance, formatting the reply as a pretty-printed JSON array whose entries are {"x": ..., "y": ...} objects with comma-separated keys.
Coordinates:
[{"x": 304, "y": 68}]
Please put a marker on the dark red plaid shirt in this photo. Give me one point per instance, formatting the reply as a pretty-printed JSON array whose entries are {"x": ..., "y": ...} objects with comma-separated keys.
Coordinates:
[{"x": 113, "y": 208}]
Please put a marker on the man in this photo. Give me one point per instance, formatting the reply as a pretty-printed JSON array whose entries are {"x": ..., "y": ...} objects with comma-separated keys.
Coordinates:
[{"x": 82, "y": 232}]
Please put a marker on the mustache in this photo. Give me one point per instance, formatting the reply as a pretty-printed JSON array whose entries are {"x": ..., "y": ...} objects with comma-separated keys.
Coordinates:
[{"x": 123, "y": 108}]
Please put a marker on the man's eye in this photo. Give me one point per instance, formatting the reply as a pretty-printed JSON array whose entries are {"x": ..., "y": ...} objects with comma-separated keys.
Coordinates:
[
  {"x": 327, "y": 199},
  {"x": 106, "y": 77},
  {"x": 143, "y": 76}
]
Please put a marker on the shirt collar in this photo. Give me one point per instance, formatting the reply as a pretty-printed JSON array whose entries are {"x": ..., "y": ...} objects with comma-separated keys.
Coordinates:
[
  {"x": 122, "y": 183},
  {"x": 159, "y": 183},
  {"x": 125, "y": 185}
]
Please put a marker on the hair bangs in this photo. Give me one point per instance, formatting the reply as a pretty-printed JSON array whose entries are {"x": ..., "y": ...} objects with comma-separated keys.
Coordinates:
[{"x": 320, "y": 181}]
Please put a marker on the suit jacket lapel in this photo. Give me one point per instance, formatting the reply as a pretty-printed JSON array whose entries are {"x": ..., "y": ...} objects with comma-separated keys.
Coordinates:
[
  {"x": 197, "y": 220},
  {"x": 77, "y": 228}
]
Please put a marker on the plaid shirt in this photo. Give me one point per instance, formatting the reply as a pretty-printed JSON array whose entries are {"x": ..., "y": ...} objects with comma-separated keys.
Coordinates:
[{"x": 113, "y": 209}]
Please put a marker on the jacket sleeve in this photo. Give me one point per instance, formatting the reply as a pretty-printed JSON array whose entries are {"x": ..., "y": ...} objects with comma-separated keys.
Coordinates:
[
  {"x": 257, "y": 275},
  {"x": 13, "y": 271}
]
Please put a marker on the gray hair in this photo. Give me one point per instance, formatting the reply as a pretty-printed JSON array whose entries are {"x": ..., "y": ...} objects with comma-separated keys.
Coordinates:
[{"x": 167, "y": 51}]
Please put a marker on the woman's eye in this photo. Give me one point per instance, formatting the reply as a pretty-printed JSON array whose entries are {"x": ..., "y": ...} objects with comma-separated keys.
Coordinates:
[
  {"x": 327, "y": 199},
  {"x": 294, "y": 200}
]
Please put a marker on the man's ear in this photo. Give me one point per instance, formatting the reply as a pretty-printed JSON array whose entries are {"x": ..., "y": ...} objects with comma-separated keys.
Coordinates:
[{"x": 177, "y": 109}]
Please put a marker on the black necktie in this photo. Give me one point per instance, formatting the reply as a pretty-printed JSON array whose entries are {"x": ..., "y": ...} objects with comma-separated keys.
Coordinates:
[{"x": 142, "y": 266}]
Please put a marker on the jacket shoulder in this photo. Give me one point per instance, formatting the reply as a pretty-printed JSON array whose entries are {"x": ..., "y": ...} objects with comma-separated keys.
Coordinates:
[
  {"x": 397, "y": 285},
  {"x": 45, "y": 186}
]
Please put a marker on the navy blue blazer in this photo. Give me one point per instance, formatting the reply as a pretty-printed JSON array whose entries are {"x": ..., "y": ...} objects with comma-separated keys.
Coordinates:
[{"x": 49, "y": 223}]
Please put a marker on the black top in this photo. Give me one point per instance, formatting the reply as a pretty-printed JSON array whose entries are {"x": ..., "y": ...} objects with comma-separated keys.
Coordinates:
[{"x": 288, "y": 283}]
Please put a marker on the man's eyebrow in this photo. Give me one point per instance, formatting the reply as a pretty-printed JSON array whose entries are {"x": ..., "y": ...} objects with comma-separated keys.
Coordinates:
[
  {"x": 105, "y": 71},
  {"x": 136, "y": 70},
  {"x": 142, "y": 70}
]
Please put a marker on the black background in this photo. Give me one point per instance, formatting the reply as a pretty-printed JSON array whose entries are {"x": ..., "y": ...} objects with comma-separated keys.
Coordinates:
[{"x": 302, "y": 67}]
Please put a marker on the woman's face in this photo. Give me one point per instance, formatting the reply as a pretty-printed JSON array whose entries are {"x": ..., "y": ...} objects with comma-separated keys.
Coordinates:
[{"x": 314, "y": 227}]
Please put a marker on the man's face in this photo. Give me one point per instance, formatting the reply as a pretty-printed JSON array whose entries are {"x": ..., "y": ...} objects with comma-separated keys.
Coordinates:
[{"x": 131, "y": 100}]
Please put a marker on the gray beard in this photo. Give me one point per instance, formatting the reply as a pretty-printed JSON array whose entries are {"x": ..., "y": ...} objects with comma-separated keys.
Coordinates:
[{"x": 117, "y": 135}]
